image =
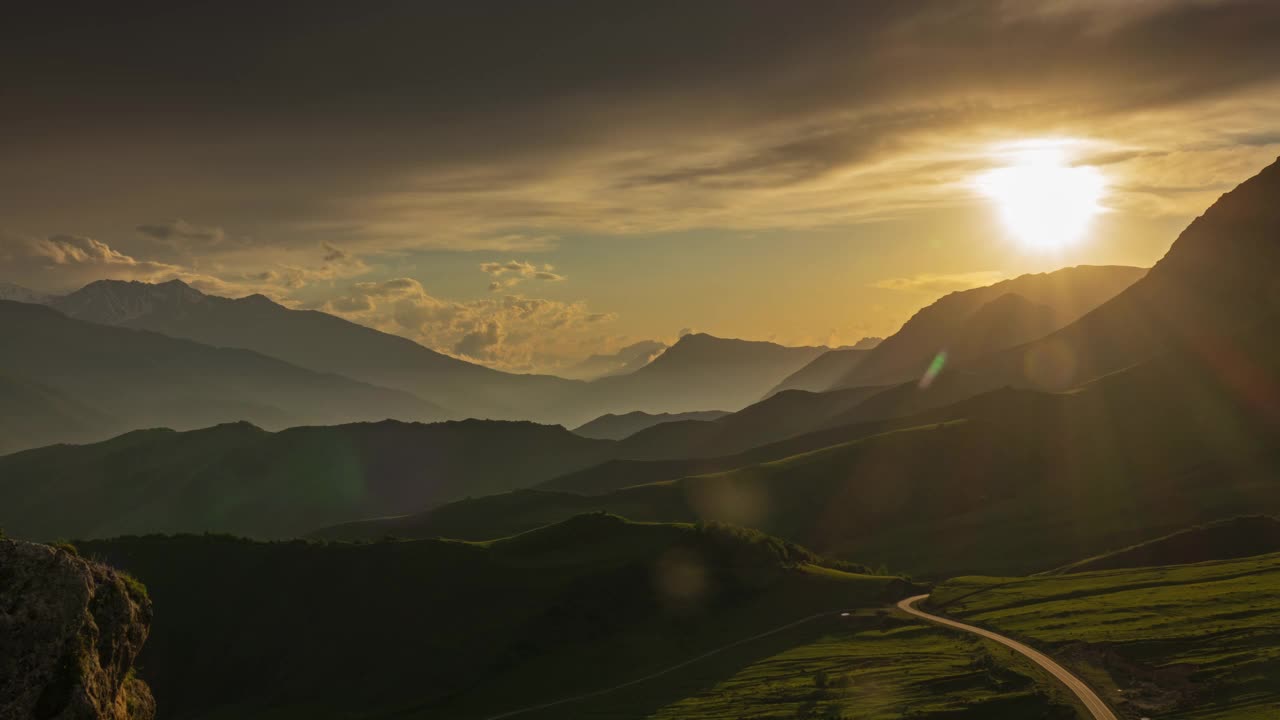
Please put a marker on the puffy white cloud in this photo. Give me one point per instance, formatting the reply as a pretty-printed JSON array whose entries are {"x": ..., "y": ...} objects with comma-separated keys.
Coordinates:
[
  {"x": 512, "y": 332},
  {"x": 511, "y": 273}
]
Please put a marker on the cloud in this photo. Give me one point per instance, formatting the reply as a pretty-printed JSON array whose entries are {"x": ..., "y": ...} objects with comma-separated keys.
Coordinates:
[
  {"x": 859, "y": 111},
  {"x": 936, "y": 284},
  {"x": 512, "y": 332},
  {"x": 512, "y": 266},
  {"x": 181, "y": 230},
  {"x": 64, "y": 262},
  {"x": 333, "y": 254},
  {"x": 511, "y": 273}
]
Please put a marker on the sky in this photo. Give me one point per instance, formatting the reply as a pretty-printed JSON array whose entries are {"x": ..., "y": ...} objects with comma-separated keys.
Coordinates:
[{"x": 526, "y": 184}]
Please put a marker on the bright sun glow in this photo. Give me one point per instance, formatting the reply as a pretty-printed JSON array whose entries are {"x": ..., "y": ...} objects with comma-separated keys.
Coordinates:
[{"x": 1045, "y": 202}]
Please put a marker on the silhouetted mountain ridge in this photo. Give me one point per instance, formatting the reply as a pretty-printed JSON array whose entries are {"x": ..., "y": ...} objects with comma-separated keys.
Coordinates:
[
  {"x": 239, "y": 478},
  {"x": 617, "y": 427}
]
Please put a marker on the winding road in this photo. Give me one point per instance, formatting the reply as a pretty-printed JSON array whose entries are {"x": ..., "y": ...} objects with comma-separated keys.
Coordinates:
[
  {"x": 1095, "y": 705},
  {"x": 1091, "y": 701}
]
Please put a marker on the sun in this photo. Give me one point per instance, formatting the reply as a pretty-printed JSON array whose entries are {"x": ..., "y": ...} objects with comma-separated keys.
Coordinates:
[{"x": 1045, "y": 202}]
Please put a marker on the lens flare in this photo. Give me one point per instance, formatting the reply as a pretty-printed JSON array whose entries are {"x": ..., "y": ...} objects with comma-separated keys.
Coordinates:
[{"x": 935, "y": 367}]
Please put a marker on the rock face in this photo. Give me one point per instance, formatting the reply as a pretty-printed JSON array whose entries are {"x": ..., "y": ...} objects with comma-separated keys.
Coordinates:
[{"x": 69, "y": 633}]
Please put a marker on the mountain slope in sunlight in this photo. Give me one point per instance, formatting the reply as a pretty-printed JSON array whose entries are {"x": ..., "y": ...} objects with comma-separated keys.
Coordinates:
[
  {"x": 955, "y": 324},
  {"x": 1219, "y": 276}
]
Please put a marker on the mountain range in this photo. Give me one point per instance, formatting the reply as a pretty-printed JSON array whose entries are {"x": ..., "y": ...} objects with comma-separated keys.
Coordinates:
[
  {"x": 697, "y": 373},
  {"x": 1167, "y": 425},
  {"x": 120, "y": 379}
]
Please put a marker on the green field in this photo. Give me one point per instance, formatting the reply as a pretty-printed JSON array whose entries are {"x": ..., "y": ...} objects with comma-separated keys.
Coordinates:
[
  {"x": 881, "y": 667},
  {"x": 1189, "y": 641}
]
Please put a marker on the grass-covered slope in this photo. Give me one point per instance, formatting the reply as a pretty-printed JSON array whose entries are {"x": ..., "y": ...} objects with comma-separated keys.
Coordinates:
[
  {"x": 1222, "y": 540},
  {"x": 451, "y": 629},
  {"x": 873, "y": 667},
  {"x": 240, "y": 479},
  {"x": 1190, "y": 641}
]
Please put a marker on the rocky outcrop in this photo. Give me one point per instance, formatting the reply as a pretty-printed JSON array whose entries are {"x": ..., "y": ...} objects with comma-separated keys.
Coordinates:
[{"x": 69, "y": 633}]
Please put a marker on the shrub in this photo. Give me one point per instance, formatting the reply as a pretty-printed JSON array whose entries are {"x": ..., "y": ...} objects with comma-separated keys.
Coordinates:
[
  {"x": 66, "y": 547},
  {"x": 135, "y": 587}
]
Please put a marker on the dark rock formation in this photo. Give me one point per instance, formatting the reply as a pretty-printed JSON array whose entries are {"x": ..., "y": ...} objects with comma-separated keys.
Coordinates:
[{"x": 69, "y": 633}]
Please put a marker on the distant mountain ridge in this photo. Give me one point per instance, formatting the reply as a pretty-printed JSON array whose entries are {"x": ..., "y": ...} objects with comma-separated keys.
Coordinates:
[
  {"x": 617, "y": 427},
  {"x": 626, "y": 360},
  {"x": 34, "y": 414},
  {"x": 698, "y": 372},
  {"x": 314, "y": 340},
  {"x": 17, "y": 293},
  {"x": 702, "y": 371},
  {"x": 136, "y": 379}
]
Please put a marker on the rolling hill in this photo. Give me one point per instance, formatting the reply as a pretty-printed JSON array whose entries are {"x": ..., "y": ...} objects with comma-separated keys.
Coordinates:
[
  {"x": 617, "y": 427},
  {"x": 462, "y": 630},
  {"x": 143, "y": 379},
  {"x": 1016, "y": 481},
  {"x": 238, "y": 478}
]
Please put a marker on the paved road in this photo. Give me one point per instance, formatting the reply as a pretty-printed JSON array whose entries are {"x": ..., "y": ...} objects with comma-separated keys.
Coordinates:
[{"x": 1090, "y": 699}]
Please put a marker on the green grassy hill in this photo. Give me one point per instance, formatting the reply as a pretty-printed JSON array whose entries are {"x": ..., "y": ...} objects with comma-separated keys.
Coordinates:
[
  {"x": 1222, "y": 540},
  {"x": 1189, "y": 641},
  {"x": 435, "y": 629}
]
